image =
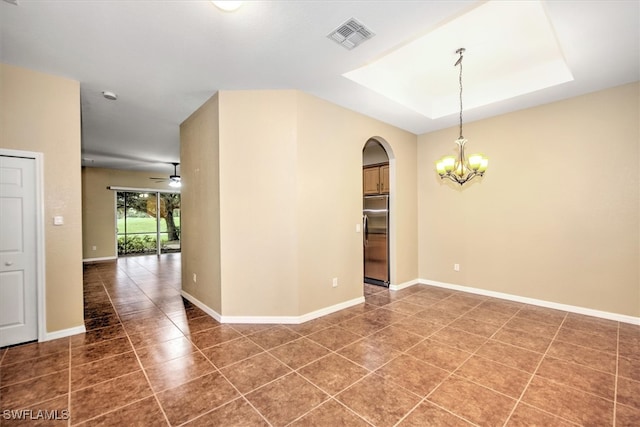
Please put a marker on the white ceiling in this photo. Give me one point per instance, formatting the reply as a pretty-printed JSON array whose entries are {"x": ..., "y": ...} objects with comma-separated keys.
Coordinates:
[
  {"x": 513, "y": 51},
  {"x": 165, "y": 58}
]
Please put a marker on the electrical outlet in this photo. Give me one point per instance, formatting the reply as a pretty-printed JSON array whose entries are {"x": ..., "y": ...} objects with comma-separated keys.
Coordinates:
[
  {"x": 93, "y": 248},
  {"x": 456, "y": 267},
  {"x": 335, "y": 282},
  {"x": 195, "y": 278}
]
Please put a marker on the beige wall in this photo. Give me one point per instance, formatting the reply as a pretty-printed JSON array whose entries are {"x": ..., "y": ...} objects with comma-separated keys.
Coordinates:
[
  {"x": 290, "y": 198},
  {"x": 200, "y": 204},
  {"x": 41, "y": 113},
  {"x": 329, "y": 167},
  {"x": 98, "y": 206},
  {"x": 557, "y": 215},
  {"x": 258, "y": 218}
]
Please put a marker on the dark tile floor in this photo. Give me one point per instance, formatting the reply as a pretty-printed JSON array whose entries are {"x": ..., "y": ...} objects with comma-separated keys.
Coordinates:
[{"x": 416, "y": 357}]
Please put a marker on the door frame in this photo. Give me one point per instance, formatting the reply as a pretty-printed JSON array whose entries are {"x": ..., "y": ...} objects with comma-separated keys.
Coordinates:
[
  {"x": 392, "y": 205},
  {"x": 40, "y": 241}
]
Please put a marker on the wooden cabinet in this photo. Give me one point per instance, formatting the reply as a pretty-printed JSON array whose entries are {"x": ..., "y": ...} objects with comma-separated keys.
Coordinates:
[
  {"x": 375, "y": 179},
  {"x": 384, "y": 179},
  {"x": 371, "y": 180}
]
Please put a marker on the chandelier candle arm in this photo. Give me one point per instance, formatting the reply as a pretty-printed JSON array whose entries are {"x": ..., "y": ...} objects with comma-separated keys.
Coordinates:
[{"x": 457, "y": 168}]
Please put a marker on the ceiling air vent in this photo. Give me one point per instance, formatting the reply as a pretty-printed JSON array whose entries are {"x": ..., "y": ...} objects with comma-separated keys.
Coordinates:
[{"x": 351, "y": 34}]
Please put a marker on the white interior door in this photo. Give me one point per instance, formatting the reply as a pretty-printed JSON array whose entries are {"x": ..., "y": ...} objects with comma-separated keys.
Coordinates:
[{"x": 18, "y": 293}]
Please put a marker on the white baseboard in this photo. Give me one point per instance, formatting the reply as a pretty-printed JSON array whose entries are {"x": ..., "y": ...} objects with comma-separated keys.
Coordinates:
[
  {"x": 541, "y": 303},
  {"x": 63, "y": 333},
  {"x": 331, "y": 309},
  {"x": 105, "y": 258},
  {"x": 291, "y": 320},
  {"x": 341, "y": 306},
  {"x": 202, "y": 306},
  {"x": 404, "y": 285}
]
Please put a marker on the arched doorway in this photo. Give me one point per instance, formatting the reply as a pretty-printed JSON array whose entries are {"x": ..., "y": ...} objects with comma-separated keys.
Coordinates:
[{"x": 377, "y": 178}]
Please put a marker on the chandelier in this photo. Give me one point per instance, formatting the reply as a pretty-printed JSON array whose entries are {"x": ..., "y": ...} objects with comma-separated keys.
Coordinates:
[{"x": 458, "y": 168}]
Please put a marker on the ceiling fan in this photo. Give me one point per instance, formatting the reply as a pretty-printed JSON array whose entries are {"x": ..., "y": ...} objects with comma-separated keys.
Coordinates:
[{"x": 174, "y": 180}]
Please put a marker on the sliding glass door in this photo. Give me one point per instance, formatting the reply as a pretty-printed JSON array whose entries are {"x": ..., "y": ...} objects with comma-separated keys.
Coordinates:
[
  {"x": 144, "y": 229},
  {"x": 170, "y": 222}
]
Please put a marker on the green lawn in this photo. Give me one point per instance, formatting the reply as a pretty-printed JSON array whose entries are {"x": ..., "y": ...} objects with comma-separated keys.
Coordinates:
[{"x": 144, "y": 225}]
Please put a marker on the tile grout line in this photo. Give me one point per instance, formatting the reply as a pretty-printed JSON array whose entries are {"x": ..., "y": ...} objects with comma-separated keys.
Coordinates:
[
  {"x": 615, "y": 386},
  {"x": 136, "y": 354},
  {"x": 155, "y": 394},
  {"x": 425, "y": 398},
  {"x": 104, "y": 381},
  {"x": 351, "y": 410},
  {"x": 524, "y": 390},
  {"x": 346, "y": 388},
  {"x": 127, "y": 336},
  {"x": 331, "y": 351},
  {"x": 333, "y": 397},
  {"x": 219, "y": 371},
  {"x": 452, "y": 373},
  {"x": 514, "y": 315},
  {"x": 111, "y": 411},
  {"x": 216, "y": 370},
  {"x": 586, "y": 346},
  {"x": 242, "y": 395},
  {"x": 69, "y": 389},
  {"x": 576, "y": 364},
  {"x": 37, "y": 376},
  {"x": 265, "y": 351},
  {"x": 329, "y": 397}
]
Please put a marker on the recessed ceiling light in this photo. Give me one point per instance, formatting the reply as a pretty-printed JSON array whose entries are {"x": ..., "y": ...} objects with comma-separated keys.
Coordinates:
[
  {"x": 227, "y": 5},
  {"x": 109, "y": 95}
]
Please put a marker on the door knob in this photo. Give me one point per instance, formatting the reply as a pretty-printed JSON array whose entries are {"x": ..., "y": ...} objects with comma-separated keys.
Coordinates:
[{"x": 8, "y": 263}]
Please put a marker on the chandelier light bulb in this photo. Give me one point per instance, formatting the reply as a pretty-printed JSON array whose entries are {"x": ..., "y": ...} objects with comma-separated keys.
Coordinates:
[
  {"x": 483, "y": 165},
  {"x": 474, "y": 161},
  {"x": 449, "y": 163}
]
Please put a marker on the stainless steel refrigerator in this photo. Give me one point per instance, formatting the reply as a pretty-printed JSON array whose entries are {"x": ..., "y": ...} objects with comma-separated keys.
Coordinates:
[{"x": 375, "y": 214}]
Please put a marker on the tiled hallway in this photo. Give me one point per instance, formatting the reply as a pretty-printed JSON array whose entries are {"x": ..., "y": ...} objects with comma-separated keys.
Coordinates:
[{"x": 422, "y": 356}]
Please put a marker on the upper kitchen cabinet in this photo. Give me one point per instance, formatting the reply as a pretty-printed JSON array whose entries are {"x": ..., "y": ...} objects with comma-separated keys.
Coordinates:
[
  {"x": 375, "y": 179},
  {"x": 384, "y": 179}
]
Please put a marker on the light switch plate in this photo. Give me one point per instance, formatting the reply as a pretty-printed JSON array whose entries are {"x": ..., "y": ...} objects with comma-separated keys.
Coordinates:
[{"x": 58, "y": 220}]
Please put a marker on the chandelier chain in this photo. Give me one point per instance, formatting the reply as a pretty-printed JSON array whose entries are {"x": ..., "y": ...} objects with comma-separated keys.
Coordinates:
[{"x": 460, "y": 81}]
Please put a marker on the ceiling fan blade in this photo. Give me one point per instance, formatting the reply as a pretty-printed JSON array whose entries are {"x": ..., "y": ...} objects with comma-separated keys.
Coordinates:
[{"x": 171, "y": 178}]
